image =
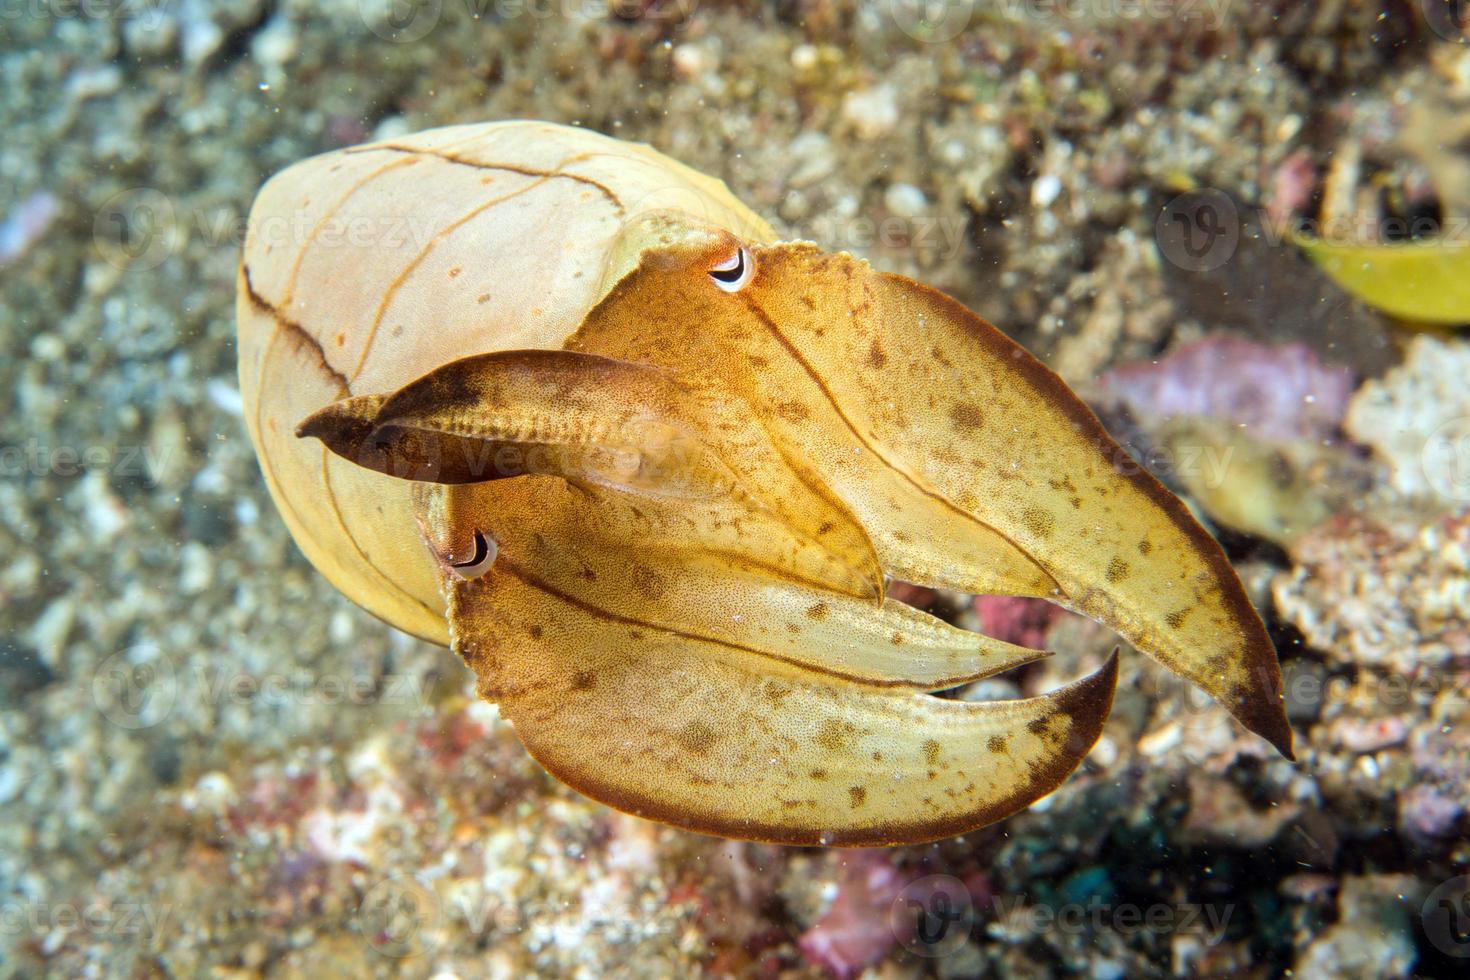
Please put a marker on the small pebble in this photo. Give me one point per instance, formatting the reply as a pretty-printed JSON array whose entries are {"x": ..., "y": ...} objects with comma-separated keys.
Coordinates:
[
  {"x": 276, "y": 43},
  {"x": 814, "y": 158},
  {"x": 905, "y": 200},
  {"x": 1365, "y": 735},
  {"x": 25, "y": 226},
  {"x": 873, "y": 112},
  {"x": 804, "y": 57},
  {"x": 1046, "y": 190},
  {"x": 51, "y": 630},
  {"x": 196, "y": 568},
  {"x": 693, "y": 61}
]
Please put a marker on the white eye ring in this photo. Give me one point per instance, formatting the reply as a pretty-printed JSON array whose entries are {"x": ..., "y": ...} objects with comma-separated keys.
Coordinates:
[
  {"x": 479, "y": 563},
  {"x": 732, "y": 274}
]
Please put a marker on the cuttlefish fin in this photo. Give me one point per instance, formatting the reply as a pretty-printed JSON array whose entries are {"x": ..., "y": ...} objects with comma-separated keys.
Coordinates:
[
  {"x": 632, "y": 428},
  {"x": 967, "y": 460},
  {"x": 715, "y": 735}
]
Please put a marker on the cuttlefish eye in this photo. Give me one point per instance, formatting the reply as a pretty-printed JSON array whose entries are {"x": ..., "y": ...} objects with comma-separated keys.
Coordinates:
[
  {"x": 732, "y": 274},
  {"x": 480, "y": 560}
]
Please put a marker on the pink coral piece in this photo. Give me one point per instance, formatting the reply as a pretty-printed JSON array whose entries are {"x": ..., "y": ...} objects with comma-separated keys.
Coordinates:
[
  {"x": 1014, "y": 619},
  {"x": 855, "y": 932},
  {"x": 1279, "y": 393}
]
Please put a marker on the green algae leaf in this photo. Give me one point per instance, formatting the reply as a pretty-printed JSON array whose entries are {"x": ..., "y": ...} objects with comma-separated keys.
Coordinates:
[{"x": 1424, "y": 281}]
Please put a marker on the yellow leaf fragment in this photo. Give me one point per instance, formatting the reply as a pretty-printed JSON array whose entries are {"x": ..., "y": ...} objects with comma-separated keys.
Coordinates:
[{"x": 1425, "y": 281}]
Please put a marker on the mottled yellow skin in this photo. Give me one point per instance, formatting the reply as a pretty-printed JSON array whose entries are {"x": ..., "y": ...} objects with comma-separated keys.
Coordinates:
[{"x": 691, "y": 488}]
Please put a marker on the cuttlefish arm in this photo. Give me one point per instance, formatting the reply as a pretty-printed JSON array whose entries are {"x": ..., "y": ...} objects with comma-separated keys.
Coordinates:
[
  {"x": 719, "y": 698},
  {"x": 716, "y": 734},
  {"x": 652, "y": 528},
  {"x": 683, "y": 618},
  {"x": 967, "y": 461},
  {"x": 663, "y": 643},
  {"x": 631, "y": 427}
]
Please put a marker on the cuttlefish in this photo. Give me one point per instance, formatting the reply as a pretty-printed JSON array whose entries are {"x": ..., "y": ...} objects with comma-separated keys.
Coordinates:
[{"x": 568, "y": 407}]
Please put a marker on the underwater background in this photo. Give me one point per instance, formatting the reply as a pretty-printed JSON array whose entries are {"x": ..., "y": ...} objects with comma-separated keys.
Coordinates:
[{"x": 1238, "y": 230}]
